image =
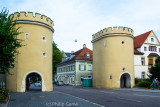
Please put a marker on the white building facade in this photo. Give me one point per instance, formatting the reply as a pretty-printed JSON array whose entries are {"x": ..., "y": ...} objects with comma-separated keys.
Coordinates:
[{"x": 146, "y": 51}]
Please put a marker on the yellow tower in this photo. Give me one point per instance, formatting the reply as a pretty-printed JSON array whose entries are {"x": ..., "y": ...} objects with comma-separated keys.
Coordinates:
[
  {"x": 36, "y": 55},
  {"x": 113, "y": 60}
]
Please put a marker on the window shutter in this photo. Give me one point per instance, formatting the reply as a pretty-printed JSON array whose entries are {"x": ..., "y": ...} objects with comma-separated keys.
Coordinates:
[
  {"x": 84, "y": 67},
  {"x": 79, "y": 66}
]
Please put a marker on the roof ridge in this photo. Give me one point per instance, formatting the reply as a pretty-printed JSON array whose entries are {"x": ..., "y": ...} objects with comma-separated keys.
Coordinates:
[
  {"x": 140, "y": 39},
  {"x": 144, "y": 33}
]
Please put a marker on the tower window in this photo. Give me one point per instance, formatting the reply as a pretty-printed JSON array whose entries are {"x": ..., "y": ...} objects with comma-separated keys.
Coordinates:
[
  {"x": 104, "y": 43},
  {"x": 44, "y": 54},
  {"x": 110, "y": 77},
  {"x": 26, "y": 36},
  {"x": 122, "y": 42},
  {"x": 43, "y": 38}
]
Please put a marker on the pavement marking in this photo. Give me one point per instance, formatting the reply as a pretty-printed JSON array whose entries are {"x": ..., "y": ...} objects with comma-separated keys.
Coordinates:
[
  {"x": 145, "y": 95},
  {"x": 82, "y": 99},
  {"x": 106, "y": 92},
  {"x": 129, "y": 99}
]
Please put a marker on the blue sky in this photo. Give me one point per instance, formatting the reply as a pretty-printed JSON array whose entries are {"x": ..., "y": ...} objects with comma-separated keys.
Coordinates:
[{"x": 80, "y": 19}]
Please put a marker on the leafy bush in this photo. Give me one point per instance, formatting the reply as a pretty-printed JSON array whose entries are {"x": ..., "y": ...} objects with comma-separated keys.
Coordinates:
[
  {"x": 137, "y": 80},
  {"x": 144, "y": 84},
  {"x": 3, "y": 93}
]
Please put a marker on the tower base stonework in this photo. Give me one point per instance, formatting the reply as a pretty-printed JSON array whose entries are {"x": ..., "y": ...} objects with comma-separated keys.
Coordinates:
[
  {"x": 35, "y": 56},
  {"x": 113, "y": 58}
]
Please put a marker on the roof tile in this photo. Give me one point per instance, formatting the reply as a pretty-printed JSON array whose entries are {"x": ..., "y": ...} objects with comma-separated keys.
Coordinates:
[{"x": 140, "y": 39}]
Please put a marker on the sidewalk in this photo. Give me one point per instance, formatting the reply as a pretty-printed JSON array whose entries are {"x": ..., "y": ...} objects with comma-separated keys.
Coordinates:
[
  {"x": 139, "y": 89},
  {"x": 127, "y": 89}
]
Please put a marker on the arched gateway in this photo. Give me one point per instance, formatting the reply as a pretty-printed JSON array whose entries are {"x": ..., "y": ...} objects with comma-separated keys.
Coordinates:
[
  {"x": 33, "y": 82},
  {"x": 125, "y": 80}
]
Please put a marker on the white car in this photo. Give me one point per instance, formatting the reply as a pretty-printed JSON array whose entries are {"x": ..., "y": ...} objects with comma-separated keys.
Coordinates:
[{"x": 38, "y": 84}]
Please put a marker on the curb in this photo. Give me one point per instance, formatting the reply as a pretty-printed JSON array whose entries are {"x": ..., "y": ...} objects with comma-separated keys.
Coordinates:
[{"x": 140, "y": 90}]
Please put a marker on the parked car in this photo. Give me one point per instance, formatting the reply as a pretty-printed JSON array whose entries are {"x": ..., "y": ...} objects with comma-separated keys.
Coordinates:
[
  {"x": 38, "y": 84},
  {"x": 59, "y": 83}
]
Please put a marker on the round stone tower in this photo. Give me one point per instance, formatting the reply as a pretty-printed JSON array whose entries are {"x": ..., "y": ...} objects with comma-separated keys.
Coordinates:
[
  {"x": 113, "y": 58},
  {"x": 35, "y": 56}
]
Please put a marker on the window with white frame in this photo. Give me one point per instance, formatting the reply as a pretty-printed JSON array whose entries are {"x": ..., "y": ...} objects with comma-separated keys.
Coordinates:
[
  {"x": 89, "y": 67},
  {"x": 143, "y": 75},
  {"x": 152, "y": 39},
  {"x": 145, "y": 49},
  {"x": 81, "y": 67},
  {"x": 73, "y": 67},
  {"x": 153, "y": 48},
  {"x": 142, "y": 61},
  {"x": 26, "y": 36}
]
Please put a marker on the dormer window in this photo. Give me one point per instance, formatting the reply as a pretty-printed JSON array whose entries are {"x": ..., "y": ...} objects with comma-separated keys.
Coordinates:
[{"x": 88, "y": 55}]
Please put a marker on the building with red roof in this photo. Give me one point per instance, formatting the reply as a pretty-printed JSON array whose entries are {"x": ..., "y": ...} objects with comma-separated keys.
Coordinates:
[
  {"x": 146, "y": 50},
  {"x": 75, "y": 67}
]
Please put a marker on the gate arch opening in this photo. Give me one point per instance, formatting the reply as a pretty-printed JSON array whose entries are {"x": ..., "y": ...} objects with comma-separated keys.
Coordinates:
[
  {"x": 33, "y": 82},
  {"x": 125, "y": 81}
]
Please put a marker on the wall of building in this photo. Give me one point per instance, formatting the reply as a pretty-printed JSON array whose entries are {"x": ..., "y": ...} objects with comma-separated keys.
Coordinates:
[
  {"x": 83, "y": 73},
  {"x": 139, "y": 68},
  {"x": 74, "y": 76}
]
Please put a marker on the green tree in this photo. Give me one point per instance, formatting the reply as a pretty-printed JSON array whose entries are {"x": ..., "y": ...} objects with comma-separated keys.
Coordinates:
[
  {"x": 8, "y": 42},
  {"x": 155, "y": 70},
  {"x": 57, "y": 57}
]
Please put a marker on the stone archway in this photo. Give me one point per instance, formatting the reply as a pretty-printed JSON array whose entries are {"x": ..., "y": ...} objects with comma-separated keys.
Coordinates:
[
  {"x": 23, "y": 87},
  {"x": 125, "y": 80},
  {"x": 33, "y": 82}
]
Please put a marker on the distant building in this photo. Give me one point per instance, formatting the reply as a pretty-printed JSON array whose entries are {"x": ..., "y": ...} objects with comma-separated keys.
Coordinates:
[
  {"x": 75, "y": 66},
  {"x": 146, "y": 51},
  {"x": 66, "y": 54}
]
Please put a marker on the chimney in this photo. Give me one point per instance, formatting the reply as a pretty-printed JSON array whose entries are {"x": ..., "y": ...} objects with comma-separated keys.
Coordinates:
[
  {"x": 84, "y": 45},
  {"x": 72, "y": 52}
]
